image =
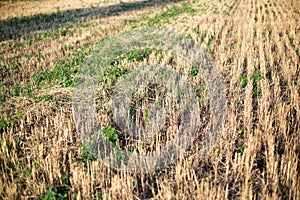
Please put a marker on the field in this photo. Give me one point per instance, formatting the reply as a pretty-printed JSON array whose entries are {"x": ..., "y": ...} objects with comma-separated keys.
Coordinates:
[{"x": 255, "y": 46}]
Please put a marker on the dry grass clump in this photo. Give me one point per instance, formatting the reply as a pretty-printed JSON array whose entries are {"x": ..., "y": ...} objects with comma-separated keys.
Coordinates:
[{"x": 255, "y": 45}]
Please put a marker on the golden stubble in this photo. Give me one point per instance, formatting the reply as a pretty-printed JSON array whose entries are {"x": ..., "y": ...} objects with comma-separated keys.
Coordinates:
[{"x": 258, "y": 155}]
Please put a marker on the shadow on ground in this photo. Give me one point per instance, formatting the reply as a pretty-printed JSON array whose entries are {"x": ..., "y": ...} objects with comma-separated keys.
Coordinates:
[{"x": 15, "y": 28}]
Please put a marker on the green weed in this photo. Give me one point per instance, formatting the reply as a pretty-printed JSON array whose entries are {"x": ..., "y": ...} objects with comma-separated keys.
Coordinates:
[
  {"x": 64, "y": 179},
  {"x": 194, "y": 70},
  {"x": 109, "y": 133},
  {"x": 90, "y": 147},
  {"x": 240, "y": 150},
  {"x": 201, "y": 93},
  {"x": 53, "y": 195},
  {"x": 226, "y": 13},
  {"x": 3, "y": 126},
  {"x": 17, "y": 90},
  {"x": 4, "y": 92},
  {"x": 255, "y": 77},
  {"x": 243, "y": 80},
  {"x": 27, "y": 174},
  {"x": 88, "y": 153}
]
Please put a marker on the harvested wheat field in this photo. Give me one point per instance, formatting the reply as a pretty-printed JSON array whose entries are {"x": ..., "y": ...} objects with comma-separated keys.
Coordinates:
[{"x": 254, "y": 46}]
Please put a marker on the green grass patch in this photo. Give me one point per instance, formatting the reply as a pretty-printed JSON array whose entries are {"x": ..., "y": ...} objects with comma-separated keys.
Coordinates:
[
  {"x": 46, "y": 97},
  {"x": 62, "y": 74},
  {"x": 170, "y": 13},
  {"x": 137, "y": 55}
]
